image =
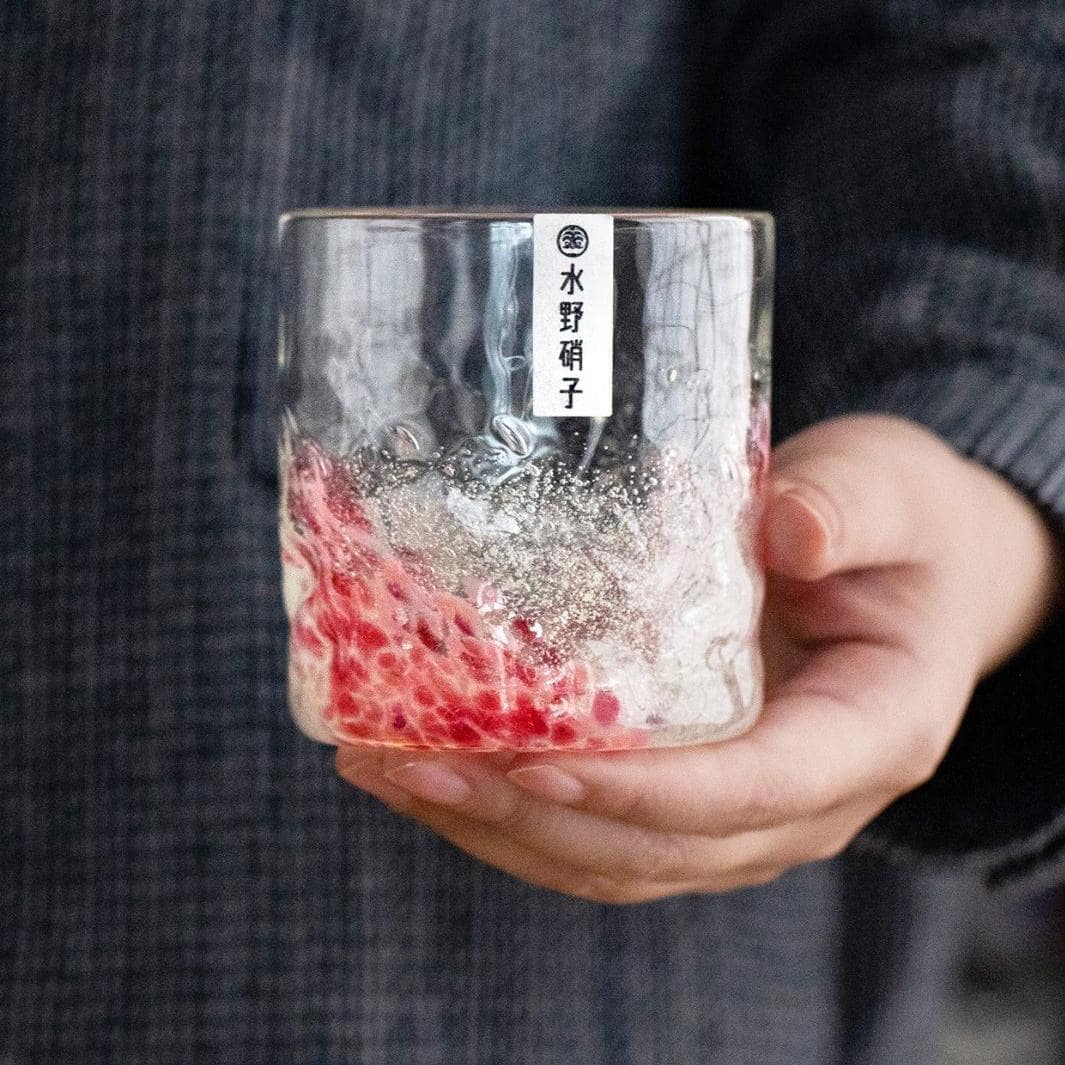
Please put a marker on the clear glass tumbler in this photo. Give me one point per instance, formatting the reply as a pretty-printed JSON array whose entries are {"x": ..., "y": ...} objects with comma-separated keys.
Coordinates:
[{"x": 493, "y": 537}]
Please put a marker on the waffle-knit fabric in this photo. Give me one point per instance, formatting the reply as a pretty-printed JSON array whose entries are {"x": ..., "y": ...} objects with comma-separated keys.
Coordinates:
[{"x": 183, "y": 878}]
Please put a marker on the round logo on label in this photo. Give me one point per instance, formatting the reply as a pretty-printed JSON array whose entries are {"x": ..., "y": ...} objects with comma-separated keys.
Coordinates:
[{"x": 572, "y": 241}]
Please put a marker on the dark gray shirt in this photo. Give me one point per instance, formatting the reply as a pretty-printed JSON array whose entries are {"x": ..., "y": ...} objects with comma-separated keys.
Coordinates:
[{"x": 182, "y": 876}]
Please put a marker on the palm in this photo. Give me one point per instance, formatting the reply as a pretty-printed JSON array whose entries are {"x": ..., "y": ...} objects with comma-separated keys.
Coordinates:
[
  {"x": 875, "y": 632},
  {"x": 883, "y": 610}
]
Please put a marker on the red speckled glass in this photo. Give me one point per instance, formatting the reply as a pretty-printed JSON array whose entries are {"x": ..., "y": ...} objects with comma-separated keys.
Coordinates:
[{"x": 460, "y": 573}]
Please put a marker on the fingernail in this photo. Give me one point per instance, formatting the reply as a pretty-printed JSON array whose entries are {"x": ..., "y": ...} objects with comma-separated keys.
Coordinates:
[
  {"x": 805, "y": 533},
  {"x": 549, "y": 782},
  {"x": 431, "y": 782},
  {"x": 814, "y": 500}
]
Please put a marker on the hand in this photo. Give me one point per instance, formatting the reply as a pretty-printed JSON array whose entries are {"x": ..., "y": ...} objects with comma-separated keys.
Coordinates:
[{"x": 899, "y": 574}]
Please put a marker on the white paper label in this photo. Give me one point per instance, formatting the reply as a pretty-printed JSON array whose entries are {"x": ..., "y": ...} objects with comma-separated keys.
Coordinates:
[{"x": 573, "y": 315}]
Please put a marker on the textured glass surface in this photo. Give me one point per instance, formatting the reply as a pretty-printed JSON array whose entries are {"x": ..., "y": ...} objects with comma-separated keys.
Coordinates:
[{"x": 459, "y": 573}]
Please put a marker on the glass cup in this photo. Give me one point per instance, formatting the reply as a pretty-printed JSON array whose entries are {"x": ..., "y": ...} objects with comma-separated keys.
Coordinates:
[{"x": 479, "y": 553}]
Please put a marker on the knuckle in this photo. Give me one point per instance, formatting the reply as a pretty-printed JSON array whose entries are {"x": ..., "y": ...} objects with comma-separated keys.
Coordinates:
[
  {"x": 611, "y": 891},
  {"x": 750, "y": 877},
  {"x": 812, "y": 844},
  {"x": 658, "y": 856},
  {"x": 640, "y": 803},
  {"x": 510, "y": 815},
  {"x": 922, "y": 769},
  {"x": 764, "y": 798},
  {"x": 828, "y": 847},
  {"x": 763, "y": 876},
  {"x": 923, "y": 753}
]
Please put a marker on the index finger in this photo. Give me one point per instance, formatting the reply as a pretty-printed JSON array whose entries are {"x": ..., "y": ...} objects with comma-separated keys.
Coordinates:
[{"x": 850, "y": 729}]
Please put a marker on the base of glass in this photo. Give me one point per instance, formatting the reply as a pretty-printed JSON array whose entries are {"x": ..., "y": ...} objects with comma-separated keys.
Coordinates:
[{"x": 312, "y": 726}]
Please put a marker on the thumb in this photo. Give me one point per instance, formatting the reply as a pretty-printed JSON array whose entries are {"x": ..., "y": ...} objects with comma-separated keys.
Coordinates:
[{"x": 850, "y": 493}]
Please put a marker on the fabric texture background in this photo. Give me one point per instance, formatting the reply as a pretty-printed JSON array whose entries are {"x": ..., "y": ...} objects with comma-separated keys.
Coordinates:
[{"x": 182, "y": 876}]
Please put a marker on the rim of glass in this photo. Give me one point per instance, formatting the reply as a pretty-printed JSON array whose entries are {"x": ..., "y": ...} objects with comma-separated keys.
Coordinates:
[{"x": 490, "y": 214}]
